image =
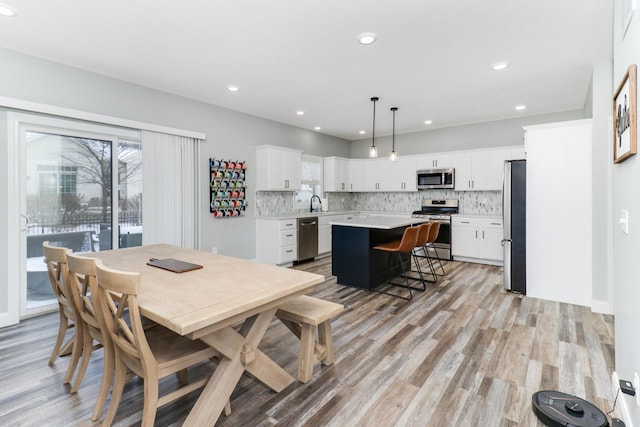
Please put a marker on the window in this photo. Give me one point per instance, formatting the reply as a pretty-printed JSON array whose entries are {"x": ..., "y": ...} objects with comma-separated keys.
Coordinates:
[{"x": 310, "y": 181}]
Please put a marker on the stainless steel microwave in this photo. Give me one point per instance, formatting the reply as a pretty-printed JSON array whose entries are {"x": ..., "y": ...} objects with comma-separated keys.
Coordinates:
[{"x": 436, "y": 178}]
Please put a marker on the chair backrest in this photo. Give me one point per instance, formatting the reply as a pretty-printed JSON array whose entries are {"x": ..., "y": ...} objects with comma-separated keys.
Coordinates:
[
  {"x": 423, "y": 234},
  {"x": 118, "y": 301},
  {"x": 56, "y": 260},
  {"x": 433, "y": 232},
  {"x": 83, "y": 286},
  {"x": 409, "y": 239}
]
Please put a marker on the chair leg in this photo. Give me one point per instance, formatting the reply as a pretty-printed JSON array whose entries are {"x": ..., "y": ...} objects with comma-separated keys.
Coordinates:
[
  {"x": 430, "y": 263},
  {"x": 406, "y": 279},
  {"x": 414, "y": 256},
  {"x": 116, "y": 393},
  {"x": 150, "y": 406},
  {"x": 85, "y": 358},
  {"x": 438, "y": 258},
  {"x": 105, "y": 383},
  {"x": 75, "y": 353},
  {"x": 62, "y": 330}
]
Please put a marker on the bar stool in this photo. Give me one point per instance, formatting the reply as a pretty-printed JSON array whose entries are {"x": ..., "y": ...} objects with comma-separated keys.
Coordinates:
[
  {"x": 423, "y": 237},
  {"x": 399, "y": 247},
  {"x": 433, "y": 235}
]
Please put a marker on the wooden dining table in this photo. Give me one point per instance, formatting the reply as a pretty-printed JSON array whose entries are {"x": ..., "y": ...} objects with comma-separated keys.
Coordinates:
[{"x": 204, "y": 304}]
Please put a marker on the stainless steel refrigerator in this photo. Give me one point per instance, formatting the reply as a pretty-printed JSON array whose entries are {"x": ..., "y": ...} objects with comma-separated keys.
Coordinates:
[{"x": 514, "y": 216}]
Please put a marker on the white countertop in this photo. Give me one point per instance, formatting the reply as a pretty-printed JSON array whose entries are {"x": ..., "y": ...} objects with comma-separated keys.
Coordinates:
[
  {"x": 460, "y": 215},
  {"x": 305, "y": 215},
  {"x": 380, "y": 222}
]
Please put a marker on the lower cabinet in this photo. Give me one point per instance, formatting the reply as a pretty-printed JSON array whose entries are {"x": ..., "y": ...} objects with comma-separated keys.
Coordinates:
[
  {"x": 276, "y": 241},
  {"x": 477, "y": 239},
  {"x": 324, "y": 232}
]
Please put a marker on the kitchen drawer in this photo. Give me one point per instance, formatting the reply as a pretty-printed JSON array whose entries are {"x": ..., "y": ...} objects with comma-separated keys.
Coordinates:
[
  {"x": 476, "y": 221},
  {"x": 287, "y": 224},
  {"x": 288, "y": 254},
  {"x": 288, "y": 237}
]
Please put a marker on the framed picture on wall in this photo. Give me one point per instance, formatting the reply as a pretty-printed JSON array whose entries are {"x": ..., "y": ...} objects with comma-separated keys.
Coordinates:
[{"x": 625, "y": 117}]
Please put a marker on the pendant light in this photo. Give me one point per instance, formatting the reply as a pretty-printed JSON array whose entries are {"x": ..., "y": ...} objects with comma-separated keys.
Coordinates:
[
  {"x": 373, "y": 151},
  {"x": 393, "y": 156}
]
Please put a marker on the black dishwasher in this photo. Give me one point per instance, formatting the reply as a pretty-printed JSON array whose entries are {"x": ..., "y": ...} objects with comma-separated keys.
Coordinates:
[{"x": 307, "y": 238}]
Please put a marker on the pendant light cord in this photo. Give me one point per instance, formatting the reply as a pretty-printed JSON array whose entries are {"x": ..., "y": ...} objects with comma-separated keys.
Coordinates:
[
  {"x": 373, "y": 131},
  {"x": 393, "y": 132}
]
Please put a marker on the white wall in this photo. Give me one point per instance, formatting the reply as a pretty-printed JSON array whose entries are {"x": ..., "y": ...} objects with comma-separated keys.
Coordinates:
[{"x": 626, "y": 247}]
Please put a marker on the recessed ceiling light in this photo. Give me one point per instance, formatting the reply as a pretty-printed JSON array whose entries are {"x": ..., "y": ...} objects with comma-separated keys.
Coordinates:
[
  {"x": 361, "y": 132},
  {"x": 6, "y": 10},
  {"x": 367, "y": 38},
  {"x": 317, "y": 128},
  {"x": 232, "y": 88},
  {"x": 521, "y": 107},
  {"x": 300, "y": 113},
  {"x": 500, "y": 66},
  {"x": 428, "y": 122}
]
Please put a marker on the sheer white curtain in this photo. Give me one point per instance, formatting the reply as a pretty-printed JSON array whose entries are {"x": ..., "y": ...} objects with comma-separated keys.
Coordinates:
[{"x": 170, "y": 189}]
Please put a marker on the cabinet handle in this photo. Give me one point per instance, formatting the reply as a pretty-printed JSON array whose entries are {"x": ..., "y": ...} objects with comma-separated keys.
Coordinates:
[
  {"x": 465, "y": 222},
  {"x": 289, "y": 251},
  {"x": 476, "y": 234},
  {"x": 495, "y": 223},
  {"x": 483, "y": 234},
  {"x": 289, "y": 235}
]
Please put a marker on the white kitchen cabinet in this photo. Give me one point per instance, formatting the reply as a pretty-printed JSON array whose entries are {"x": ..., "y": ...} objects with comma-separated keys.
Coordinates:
[
  {"x": 481, "y": 170},
  {"x": 402, "y": 174},
  {"x": 435, "y": 160},
  {"x": 324, "y": 232},
  {"x": 277, "y": 168},
  {"x": 336, "y": 174},
  {"x": 357, "y": 174},
  {"x": 276, "y": 241},
  {"x": 476, "y": 239},
  {"x": 377, "y": 174}
]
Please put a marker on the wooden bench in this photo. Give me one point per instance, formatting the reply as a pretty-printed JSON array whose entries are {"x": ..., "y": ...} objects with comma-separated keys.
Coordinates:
[{"x": 302, "y": 315}]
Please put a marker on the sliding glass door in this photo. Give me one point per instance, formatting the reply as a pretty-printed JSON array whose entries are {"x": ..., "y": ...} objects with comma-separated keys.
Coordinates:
[{"x": 70, "y": 197}]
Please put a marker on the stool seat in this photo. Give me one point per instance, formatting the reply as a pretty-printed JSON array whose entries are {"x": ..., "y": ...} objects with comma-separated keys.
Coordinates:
[{"x": 302, "y": 315}]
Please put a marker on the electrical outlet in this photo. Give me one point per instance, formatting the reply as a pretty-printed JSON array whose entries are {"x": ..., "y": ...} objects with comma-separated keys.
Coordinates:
[
  {"x": 214, "y": 250},
  {"x": 636, "y": 384}
]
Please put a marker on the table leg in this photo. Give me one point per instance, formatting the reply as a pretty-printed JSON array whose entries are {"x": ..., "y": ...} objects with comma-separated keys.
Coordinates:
[{"x": 240, "y": 353}]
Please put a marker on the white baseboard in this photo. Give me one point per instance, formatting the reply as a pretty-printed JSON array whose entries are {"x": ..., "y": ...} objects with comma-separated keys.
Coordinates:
[
  {"x": 601, "y": 306},
  {"x": 622, "y": 408}
]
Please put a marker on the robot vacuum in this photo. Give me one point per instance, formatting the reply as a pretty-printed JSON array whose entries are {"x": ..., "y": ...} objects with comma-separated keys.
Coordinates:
[{"x": 556, "y": 409}]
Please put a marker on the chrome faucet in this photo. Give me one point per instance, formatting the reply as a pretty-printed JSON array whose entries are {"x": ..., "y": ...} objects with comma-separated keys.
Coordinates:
[{"x": 315, "y": 196}]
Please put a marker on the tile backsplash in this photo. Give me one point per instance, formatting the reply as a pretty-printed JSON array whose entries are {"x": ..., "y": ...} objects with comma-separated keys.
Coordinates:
[{"x": 278, "y": 203}]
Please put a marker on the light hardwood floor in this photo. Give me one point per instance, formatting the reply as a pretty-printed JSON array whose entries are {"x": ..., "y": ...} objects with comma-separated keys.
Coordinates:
[{"x": 463, "y": 353}]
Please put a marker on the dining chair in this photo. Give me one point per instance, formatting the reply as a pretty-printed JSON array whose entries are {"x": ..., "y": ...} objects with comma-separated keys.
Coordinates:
[
  {"x": 83, "y": 287},
  {"x": 401, "y": 247},
  {"x": 152, "y": 354},
  {"x": 56, "y": 260}
]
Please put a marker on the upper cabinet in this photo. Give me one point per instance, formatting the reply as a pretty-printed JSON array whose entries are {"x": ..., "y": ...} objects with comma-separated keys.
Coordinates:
[
  {"x": 402, "y": 174},
  {"x": 336, "y": 174},
  {"x": 435, "y": 161},
  {"x": 476, "y": 170},
  {"x": 482, "y": 170},
  {"x": 277, "y": 168}
]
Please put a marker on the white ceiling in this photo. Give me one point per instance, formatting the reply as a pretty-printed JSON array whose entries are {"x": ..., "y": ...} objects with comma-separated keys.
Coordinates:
[{"x": 432, "y": 58}]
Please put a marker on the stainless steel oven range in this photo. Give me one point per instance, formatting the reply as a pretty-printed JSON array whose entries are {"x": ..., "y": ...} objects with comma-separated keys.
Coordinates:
[{"x": 439, "y": 210}]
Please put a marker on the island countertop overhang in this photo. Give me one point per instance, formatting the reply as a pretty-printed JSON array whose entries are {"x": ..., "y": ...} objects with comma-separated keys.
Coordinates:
[{"x": 379, "y": 222}]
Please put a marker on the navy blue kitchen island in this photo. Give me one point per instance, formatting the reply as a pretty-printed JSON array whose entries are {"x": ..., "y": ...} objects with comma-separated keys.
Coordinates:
[{"x": 354, "y": 261}]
